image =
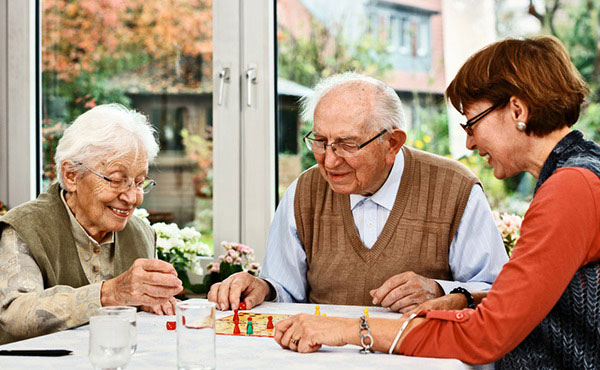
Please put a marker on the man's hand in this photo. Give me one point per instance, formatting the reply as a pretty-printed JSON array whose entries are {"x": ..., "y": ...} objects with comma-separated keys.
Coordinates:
[
  {"x": 167, "y": 308},
  {"x": 147, "y": 282},
  {"x": 446, "y": 302},
  {"x": 405, "y": 291},
  {"x": 239, "y": 286}
]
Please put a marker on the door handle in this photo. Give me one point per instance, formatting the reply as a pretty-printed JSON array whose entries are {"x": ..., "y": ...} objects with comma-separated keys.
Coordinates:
[
  {"x": 224, "y": 76},
  {"x": 250, "y": 80}
]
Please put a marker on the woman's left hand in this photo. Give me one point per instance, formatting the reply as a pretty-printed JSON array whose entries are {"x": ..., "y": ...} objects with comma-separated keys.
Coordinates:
[
  {"x": 167, "y": 308},
  {"x": 307, "y": 333}
]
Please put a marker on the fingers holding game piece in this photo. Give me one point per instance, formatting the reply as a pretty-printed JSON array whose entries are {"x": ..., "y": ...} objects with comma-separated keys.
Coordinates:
[{"x": 238, "y": 287}]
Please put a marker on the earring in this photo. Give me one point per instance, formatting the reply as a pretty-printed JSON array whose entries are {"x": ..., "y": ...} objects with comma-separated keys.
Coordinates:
[{"x": 521, "y": 126}]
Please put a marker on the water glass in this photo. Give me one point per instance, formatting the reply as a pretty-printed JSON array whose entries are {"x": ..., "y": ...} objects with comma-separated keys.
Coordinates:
[
  {"x": 109, "y": 342},
  {"x": 128, "y": 313},
  {"x": 196, "y": 334}
]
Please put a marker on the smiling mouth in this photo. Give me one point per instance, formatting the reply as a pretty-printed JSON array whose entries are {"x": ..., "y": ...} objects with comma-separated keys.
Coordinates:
[
  {"x": 119, "y": 212},
  {"x": 337, "y": 175}
]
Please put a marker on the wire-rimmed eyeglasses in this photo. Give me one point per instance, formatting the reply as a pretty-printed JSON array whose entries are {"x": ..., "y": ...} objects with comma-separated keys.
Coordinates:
[
  {"x": 123, "y": 185},
  {"x": 341, "y": 149}
]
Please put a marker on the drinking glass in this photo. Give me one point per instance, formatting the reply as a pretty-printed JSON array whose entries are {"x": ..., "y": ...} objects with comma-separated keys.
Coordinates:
[
  {"x": 196, "y": 334},
  {"x": 109, "y": 342},
  {"x": 128, "y": 313}
]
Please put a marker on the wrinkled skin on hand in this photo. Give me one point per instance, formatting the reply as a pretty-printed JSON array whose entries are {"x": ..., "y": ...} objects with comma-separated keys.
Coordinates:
[
  {"x": 148, "y": 282},
  {"x": 405, "y": 291},
  {"x": 239, "y": 287},
  {"x": 167, "y": 308},
  {"x": 307, "y": 333}
]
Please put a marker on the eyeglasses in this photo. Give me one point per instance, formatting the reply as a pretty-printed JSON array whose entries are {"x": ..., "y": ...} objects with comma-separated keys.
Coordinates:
[
  {"x": 342, "y": 149},
  {"x": 468, "y": 126},
  {"x": 123, "y": 185}
]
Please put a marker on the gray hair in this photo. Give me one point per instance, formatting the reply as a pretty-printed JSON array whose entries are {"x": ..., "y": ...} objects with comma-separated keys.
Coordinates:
[
  {"x": 388, "y": 113},
  {"x": 105, "y": 132}
]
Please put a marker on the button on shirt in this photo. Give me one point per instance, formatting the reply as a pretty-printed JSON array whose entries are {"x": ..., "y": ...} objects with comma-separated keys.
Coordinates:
[{"x": 476, "y": 253}]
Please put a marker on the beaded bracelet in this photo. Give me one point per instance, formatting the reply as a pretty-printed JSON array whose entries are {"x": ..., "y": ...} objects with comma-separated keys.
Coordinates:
[{"x": 400, "y": 332}]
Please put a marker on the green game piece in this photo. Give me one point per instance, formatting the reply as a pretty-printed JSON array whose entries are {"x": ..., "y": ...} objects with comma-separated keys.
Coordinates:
[{"x": 249, "y": 329}]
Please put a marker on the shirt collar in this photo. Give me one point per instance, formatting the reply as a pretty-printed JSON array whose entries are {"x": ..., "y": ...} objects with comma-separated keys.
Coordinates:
[
  {"x": 386, "y": 195},
  {"x": 79, "y": 234}
]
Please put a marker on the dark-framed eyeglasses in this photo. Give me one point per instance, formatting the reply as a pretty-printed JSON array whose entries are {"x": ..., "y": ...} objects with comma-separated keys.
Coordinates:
[
  {"x": 342, "y": 149},
  {"x": 468, "y": 126},
  {"x": 123, "y": 185}
]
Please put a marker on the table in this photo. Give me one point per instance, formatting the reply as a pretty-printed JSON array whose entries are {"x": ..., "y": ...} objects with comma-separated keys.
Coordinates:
[{"x": 156, "y": 347}]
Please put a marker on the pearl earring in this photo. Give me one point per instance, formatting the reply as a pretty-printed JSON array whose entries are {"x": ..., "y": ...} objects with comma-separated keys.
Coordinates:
[{"x": 521, "y": 126}]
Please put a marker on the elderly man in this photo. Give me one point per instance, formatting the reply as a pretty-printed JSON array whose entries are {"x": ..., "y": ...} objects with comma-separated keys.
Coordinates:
[
  {"x": 78, "y": 246},
  {"x": 375, "y": 222}
]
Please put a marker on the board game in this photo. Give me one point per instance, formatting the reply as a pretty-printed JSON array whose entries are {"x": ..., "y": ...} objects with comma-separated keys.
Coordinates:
[{"x": 226, "y": 325}]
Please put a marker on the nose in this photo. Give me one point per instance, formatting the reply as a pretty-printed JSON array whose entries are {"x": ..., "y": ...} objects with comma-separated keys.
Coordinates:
[
  {"x": 470, "y": 142},
  {"x": 332, "y": 160},
  {"x": 130, "y": 195}
]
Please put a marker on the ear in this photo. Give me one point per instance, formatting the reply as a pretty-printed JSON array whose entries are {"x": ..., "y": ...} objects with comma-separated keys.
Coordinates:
[
  {"x": 69, "y": 176},
  {"x": 396, "y": 138},
  {"x": 519, "y": 110}
]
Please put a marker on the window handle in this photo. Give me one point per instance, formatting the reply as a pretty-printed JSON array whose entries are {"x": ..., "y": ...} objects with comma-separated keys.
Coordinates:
[
  {"x": 223, "y": 77},
  {"x": 250, "y": 79}
]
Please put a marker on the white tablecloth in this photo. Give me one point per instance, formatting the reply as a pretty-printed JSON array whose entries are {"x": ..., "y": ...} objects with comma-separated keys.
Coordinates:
[{"x": 156, "y": 347}]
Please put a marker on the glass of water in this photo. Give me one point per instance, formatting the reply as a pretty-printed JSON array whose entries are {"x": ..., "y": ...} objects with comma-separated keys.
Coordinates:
[
  {"x": 196, "y": 334},
  {"x": 128, "y": 313},
  {"x": 109, "y": 342}
]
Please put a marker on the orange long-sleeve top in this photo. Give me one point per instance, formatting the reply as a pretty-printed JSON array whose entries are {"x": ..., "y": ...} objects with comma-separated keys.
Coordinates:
[{"x": 560, "y": 233}]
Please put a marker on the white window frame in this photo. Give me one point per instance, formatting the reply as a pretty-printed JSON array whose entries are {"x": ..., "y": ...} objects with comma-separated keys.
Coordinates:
[
  {"x": 18, "y": 123},
  {"x": 244, "y": 137}
]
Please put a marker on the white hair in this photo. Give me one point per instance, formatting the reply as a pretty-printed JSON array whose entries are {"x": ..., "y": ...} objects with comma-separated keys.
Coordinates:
[
  {"x": 105, "y": 132},
  {"x": 387, "y": 114}
]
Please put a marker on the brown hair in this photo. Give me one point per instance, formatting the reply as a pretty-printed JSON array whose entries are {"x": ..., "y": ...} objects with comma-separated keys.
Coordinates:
[{"x": 537, "y": 70}]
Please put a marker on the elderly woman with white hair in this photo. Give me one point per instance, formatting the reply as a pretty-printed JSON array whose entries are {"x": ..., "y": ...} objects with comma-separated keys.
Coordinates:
[{"x": 77, "y": 247}]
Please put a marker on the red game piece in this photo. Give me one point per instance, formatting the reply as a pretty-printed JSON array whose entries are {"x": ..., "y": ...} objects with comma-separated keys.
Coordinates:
[
  {"x": 270, "y": 323},
  {"x": 171, "y": 325},
  {"x": 236, "y": 318},
  {"x": 236, "y": 329},
  {"x": 242, "y": 305}
]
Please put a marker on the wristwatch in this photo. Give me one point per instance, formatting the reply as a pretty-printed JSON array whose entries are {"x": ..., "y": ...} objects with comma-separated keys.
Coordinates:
[{"x": 468, "y": 296}]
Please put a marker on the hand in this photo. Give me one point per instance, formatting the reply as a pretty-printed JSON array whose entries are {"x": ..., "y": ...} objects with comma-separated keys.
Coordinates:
[
  {"x": 446, "y": 302},
  {"x": 167, "y": 308},
  {"x": 307, "y": 333},
  {"x": 147, "y": 282},
  {"x": 405, "y": 291},
  {"x": 239, "y": 286}
]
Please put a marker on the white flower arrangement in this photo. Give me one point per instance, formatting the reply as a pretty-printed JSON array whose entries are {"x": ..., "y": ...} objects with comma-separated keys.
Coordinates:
[{"x": 180, "y": 247}]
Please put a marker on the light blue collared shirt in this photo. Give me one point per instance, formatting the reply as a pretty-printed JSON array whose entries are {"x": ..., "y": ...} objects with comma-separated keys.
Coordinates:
[{"x": 476, "y": 253}]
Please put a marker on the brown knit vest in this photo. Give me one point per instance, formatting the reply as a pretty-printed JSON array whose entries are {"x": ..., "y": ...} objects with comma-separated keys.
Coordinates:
[{"x": 431, "y": 199}]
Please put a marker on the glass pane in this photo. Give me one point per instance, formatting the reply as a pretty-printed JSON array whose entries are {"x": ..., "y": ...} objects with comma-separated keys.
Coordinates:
[
  {"x": 154, "y": 56},
  {"x": 319, "y": 38}
]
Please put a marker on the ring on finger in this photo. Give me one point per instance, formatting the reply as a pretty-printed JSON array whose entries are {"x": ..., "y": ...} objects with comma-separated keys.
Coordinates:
[{"x": 294, "y": 341}]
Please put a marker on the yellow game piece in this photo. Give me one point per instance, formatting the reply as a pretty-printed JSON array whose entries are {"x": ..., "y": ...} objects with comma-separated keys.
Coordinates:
[
  {"x": 366, "y": 312},
  {"x": 324, "y": 314},
  {"x": 317, "y": 311}
]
